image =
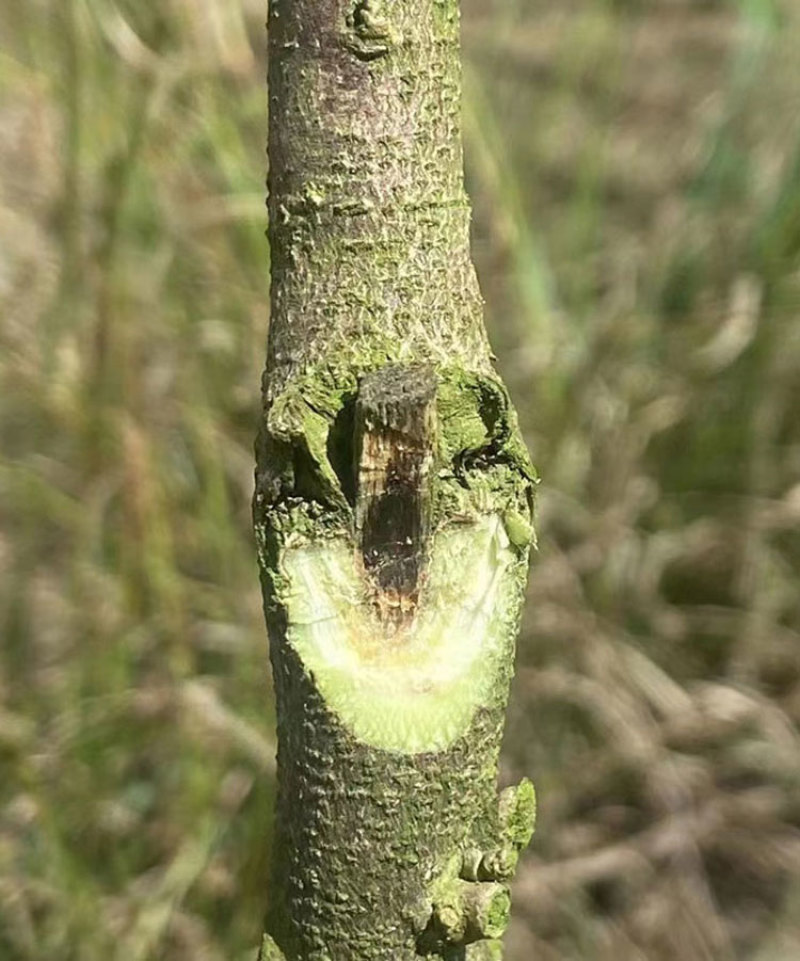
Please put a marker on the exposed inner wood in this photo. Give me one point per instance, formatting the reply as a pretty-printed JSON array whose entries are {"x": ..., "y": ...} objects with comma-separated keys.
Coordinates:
[{"x": 395, "y": 428}]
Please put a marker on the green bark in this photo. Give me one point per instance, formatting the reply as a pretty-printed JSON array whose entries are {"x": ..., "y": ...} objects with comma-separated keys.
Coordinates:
[{"x": 391, "y": 655}]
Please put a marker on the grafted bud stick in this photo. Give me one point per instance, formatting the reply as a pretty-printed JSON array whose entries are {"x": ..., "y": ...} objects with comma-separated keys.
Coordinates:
[{"x": 395, "y": 428}]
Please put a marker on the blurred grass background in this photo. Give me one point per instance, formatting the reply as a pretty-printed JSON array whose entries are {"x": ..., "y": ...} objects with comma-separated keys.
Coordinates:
[{"x": 635, "y": 170}]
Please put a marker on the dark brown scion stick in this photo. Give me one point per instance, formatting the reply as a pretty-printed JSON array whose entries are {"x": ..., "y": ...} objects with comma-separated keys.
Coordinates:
[{"x": 395, "y": 428}]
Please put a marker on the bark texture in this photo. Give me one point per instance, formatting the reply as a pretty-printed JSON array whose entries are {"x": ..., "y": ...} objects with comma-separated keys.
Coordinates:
[{"x": 393, "y": 502}]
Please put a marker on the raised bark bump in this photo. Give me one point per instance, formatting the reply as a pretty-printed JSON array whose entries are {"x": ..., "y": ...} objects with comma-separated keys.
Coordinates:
[{"x": 270, "y": 951}]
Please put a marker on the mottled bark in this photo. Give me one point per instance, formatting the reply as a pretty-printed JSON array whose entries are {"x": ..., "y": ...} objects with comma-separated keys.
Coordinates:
[{"x": 393, "y": 502}]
